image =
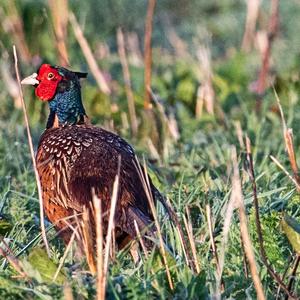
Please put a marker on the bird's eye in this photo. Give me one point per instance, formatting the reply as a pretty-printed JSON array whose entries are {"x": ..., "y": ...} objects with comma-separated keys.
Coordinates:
[{"x": 50, "y": 75}]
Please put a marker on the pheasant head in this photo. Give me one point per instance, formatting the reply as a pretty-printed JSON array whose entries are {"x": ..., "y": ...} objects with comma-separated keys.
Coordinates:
[{"x": 61, "y": 89}]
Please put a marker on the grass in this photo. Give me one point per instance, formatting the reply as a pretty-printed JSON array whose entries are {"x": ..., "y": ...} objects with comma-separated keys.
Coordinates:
[
  {"x": 193, "y": 171},
  {"x": 196, "y": 173}
]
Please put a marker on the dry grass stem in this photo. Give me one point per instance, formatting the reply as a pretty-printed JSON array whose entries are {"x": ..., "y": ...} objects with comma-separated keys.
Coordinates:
[
  {"x": 135, "y": 55},
  {"x": 205, "y": 93},
  {"x": 189, "y": 229},
  {"x": 239, "y": 133},
  {"x": 262, "y": 82},
  {"x": 134, "y": 251},
  {"x": 152, "y": 149},
  {"x": 89, "y": 55},
  {"x": 147, "y": 189},
  {"x": 183, "y": 246},
  {"x": 99, "y": 243},
  {"x": 154, "y": 213},
  {"x": 127, "y": 80},
  {"x": 140, "y": 238},
  {"x": 69, "y": 225},
  {"x": 68, "y": 294},
  {"x": 284, "y": 126},
  {"x": 113, "y": 244},
  {"x": 255, "y": 198},
  {"x": 37, "y": 177},
  {"x": 15, "y": 28},
  {"x": 179, "y": 45},
  {"x": 171, "y": 212},
  {"x": 250, "y": 25},
  {"x": 288, "y": 137},
  {"x": 244, "y": 258},
  {"x": 59, "y": 12},
  {"x": 289, "y": 143},
  {"x": 113, "y": 204},
  {"x": 9, "y": 81},
  {"x": 87, "y": 239},
  {"x": 148, "y": 53},
  {"x": 14, "y": 262},
  {"x": 65, "y": 255},
  {"x": 212, "y": 240},
  {"x": 237, "y": 194},
  {"x": 173, "y": 127},
  {"x": 262, "y": 251},
  {"x": 293, "y": 274},
  {"x": 225, "y": 234},
  {"x": 170, "y": 121},
  {"x": 275, "y": 160},
  {"x": 288, "y": 265}
]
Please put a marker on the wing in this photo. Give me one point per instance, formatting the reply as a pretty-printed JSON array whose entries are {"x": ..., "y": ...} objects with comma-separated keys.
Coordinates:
[{"x": 97, "y": 166}]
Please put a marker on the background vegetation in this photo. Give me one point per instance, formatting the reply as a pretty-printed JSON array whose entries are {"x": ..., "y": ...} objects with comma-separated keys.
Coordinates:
[{"x": 209, "y": 91}]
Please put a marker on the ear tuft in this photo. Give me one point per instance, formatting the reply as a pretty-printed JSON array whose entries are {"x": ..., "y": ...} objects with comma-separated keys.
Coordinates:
[{"x": 81, "y": 75}]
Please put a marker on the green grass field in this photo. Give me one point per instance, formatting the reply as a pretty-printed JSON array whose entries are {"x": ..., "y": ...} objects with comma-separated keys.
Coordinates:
[{"x": 188, "y": 150}]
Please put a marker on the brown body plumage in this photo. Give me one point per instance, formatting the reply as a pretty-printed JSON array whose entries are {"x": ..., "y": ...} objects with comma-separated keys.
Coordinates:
[{"x": 74, "y": 160}]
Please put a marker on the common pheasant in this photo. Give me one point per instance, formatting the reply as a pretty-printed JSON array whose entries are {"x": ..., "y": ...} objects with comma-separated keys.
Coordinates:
[{"x": 74, "y": 158}]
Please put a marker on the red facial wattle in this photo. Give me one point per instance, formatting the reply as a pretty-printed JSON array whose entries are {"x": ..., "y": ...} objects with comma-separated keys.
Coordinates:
[{"x": 48, "y": 78}]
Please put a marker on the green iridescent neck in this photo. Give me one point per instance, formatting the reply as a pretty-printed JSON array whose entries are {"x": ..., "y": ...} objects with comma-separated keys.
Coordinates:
[{"x": 67, "y": 104}]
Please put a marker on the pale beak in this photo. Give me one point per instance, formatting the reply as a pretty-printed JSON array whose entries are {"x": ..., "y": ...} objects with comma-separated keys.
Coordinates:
[{"x": 31, "y": 80}]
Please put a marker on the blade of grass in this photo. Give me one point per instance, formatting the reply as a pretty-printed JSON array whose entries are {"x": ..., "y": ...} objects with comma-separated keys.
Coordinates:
[
  {"x": 148, "y": 52},
  {"x": 85, "y": 47},
  {"x": 237, "y": 194},
  {"x": 127, "y": 81}
]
